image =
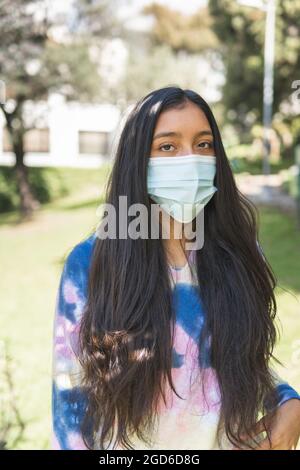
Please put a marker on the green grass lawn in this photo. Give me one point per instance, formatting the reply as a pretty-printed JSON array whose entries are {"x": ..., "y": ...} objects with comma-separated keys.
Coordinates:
[
  {"x": 32, "y": 256},
  {"x": 31, "y": 261},
  {"x": 281, "y": 244}
]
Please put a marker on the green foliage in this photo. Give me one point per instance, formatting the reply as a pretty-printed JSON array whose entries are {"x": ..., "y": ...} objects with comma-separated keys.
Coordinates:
[
  {"x": 8, "y": 190},
  {"x": 68, "y": 68},
  {"x": 47, "y": 185},
  {"x": 240, "y": 30},
  {"x": 170, "y": 52},
  {"x": 50, "y": 184},
  {"x": 290, "y": 183},
  {"x": 34, "y": 63},
  {"x": 242, "y": 164},
  {"x": 163, "y": 68},
  {"x": 189, "y": 33}
]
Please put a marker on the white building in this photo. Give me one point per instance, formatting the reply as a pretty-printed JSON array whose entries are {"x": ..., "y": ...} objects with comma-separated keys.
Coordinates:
[{"x": 65, "y": 134}]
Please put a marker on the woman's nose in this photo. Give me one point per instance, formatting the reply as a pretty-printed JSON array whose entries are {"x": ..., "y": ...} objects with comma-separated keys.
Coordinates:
[{"x": 185, "y": 151}]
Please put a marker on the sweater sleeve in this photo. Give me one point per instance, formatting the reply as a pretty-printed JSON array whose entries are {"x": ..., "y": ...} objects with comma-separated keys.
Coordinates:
[
  {"x": 68, "y": 396},
  {"x": 284, "y": 391}
]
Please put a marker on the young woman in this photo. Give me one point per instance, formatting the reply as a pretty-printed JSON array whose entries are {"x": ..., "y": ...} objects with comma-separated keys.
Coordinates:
[{"x": 160, "y": 344}]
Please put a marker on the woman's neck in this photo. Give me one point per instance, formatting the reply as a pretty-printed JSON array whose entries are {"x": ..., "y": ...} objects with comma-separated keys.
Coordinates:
[{"x": 174, "y": 246}]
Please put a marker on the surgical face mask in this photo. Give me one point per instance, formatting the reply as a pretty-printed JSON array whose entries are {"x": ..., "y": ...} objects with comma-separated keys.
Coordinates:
[{"x": 182, "y": 185}]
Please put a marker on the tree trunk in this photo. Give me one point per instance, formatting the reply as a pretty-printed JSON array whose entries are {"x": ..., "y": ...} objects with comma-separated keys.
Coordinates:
[{"x": 28, "y": 203}]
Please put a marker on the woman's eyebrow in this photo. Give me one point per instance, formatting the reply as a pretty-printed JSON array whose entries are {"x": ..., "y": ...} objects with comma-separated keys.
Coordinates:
[{"x": 178, "y": 134}]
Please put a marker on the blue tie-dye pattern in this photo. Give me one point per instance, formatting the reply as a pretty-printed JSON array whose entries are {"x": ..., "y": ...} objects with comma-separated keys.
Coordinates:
[
  {"x": 177, "y": 359},
  {"x": 68, "y": 407},
  {"x": 190, "y": 316},
  {"x": 66, "y": 309},
  {"x": 285, "y": 392},
  {"x": 76, "y": 271}
]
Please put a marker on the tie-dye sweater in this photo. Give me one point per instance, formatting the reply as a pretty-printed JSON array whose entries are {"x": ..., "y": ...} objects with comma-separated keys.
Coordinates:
[{"x": 189, "y": 422}]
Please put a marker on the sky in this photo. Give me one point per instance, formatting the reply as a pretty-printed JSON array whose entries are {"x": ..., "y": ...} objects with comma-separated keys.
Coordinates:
[
  {"x": 131, "y": 9},
  {"x": 185, "y": 6}
]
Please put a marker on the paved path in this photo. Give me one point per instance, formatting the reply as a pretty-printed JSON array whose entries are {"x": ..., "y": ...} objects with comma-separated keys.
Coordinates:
[{"x": 265, "y": 190}]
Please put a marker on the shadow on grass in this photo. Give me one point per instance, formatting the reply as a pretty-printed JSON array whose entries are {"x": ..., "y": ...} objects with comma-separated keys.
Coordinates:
[
  {"x": 13, "y": 218},
  {"x": 10, "y": 218},
  {"x": 54, "y": 188}
]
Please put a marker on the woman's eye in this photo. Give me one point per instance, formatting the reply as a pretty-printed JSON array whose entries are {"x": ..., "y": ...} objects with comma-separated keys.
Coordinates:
[
  {"x": 165, "y": 145},
  {"x": 208, "y": 144},
  {"x": 205, "y": 145}
]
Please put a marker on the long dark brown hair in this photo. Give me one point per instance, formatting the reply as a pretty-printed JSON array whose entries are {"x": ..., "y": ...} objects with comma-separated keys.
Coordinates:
[{"x": 126, "y": 332}]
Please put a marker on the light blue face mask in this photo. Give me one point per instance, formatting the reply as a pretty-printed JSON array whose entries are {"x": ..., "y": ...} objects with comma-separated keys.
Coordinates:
[{"x": 182, "y": 185}]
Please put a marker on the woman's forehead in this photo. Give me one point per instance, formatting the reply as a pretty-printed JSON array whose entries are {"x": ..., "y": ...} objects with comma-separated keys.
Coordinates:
[{"x": 188, "y": 119}]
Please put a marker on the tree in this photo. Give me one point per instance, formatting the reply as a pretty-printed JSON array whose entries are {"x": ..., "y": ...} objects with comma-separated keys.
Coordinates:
[
  {"x": 240, "y": 30},
  {"x": 34, "y": 63},
  {"x": 175, "y": 50},
  {"x": 189, "y": 33}
]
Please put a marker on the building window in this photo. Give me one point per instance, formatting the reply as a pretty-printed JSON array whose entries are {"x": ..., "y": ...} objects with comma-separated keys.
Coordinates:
[
  {"x": 93, "y": 142},
  {"x": 35, "y": 140}
]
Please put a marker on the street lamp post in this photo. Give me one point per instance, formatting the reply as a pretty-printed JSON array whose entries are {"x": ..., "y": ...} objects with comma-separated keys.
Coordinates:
[{"x": 269, "y": 6}]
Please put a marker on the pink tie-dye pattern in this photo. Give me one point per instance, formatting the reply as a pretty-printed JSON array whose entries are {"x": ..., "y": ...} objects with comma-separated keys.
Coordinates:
[
  {"x": 70, "y": 292},
  {"x": 76, "y": 442},
  {"x": 187, "y": 383},
  {"x": 64, "y": 328},
  {"x": 54, "y": 442},
  {"x": 74, "y": 338},
  {"x": 181, "y": 422}
]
